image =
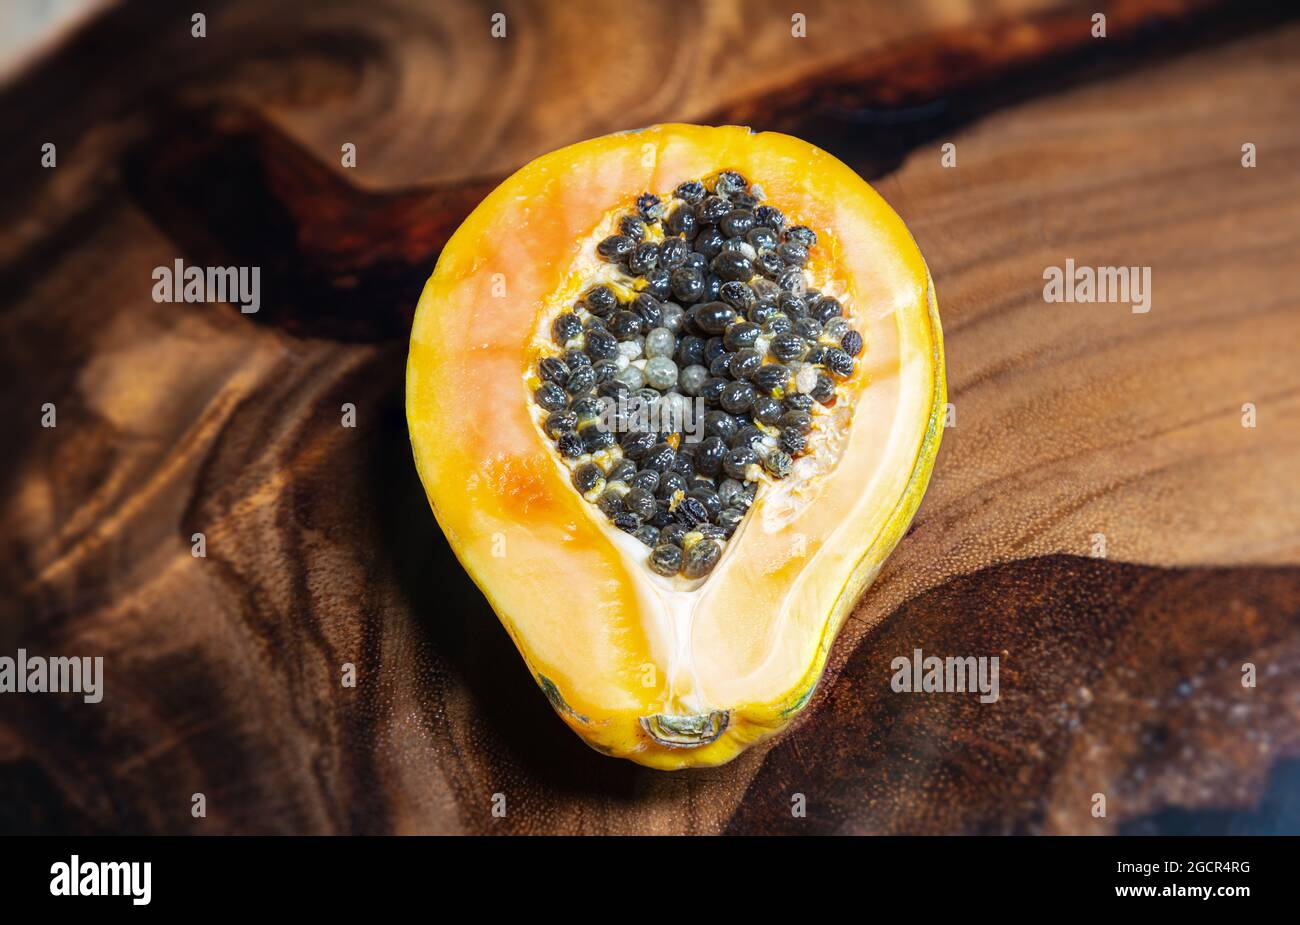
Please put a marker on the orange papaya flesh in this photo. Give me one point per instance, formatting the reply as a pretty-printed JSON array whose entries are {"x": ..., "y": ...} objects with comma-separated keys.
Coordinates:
[{"x": 560, "y": 500}]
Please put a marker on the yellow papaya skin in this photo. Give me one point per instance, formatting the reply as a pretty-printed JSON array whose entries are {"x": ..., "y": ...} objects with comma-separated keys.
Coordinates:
[{"x": 745, "y": 655}]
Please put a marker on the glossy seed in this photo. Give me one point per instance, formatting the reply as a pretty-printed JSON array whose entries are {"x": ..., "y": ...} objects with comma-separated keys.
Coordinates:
[
  {"x": 601, "y": 345},
  {"x": 633, "y": 227},
  {"x": 657, "y": 284},
  {"x": 684, "y": 222},
  {"x": 793, "y": 442},
  {"x": 690, "y": 379},
  {"x": 710, "y": 209},
  {"x": 743, "y": 365},
  {"x": 839, "y": 362},
  {"x": 711, "y": 390},
  {"x": 670, "y": 484},
  {"x": 647, "y": 534},
  {"x": 660, "y": 457},
  {"x": 778, "y": 463},
  {"x": 712, "y": 531},
  {"x": 690, "y": 511},
  {"x": 798, "y": 421},
  {"x": 594, "y": 439},
  {"x": 793, "y": 254},
  {"x": 557, "y": 422},
  {"x": 787, "y": 347},
  {"x": 567, "y": 326},
  {"x": 672, "y": 253},
  {"x": 801, "y": 234},
  {"x": 808, "y": 328},
  {"x": 769, "y": 217},
  {"x": 826, "y": 309},
  {"x": 768, "y": 264},
  {"x": 748, "y": 435},
  {"x": 637, "y": 445},
  {"x": 851, "y": 343},
  {"x": 701, "y": 558},
  {"x": 551, "y": 397},
  {"x": 687, "y": 284},
  {"x": 729, "y": 520},
  {"x": 604, "y": 370},
  {"x": 640, "y": 502},
  {"x": 708, "y": 499},
  {"x": 761, "y": 239},
  {"x": 824, "y": 389},
  {"x": 615, "y": 248},
  {"x": 569, "y": 444},
  {"x": 720, "y": 424},
  {"x": 649, "y": 309},
  {"x": 713, "y": 317},
  {"x": 587, "y": 408},
  {"x": 581, "y": 380},
  {"x": 737, "y": 294},
  {"x": 730, "y": 265},
  {"x": 588, "y": 477},
  {"x": 666, "y": 559},
  {"x": 624, "y": 324},
  {"x": 708, "y": 458},
  {"x": 744, "y": 500},
  {"x": 736, "y": 223},
  {"x": 622, "y": 471},
  {"x": 644, "y": 258},
  {"x": 674, "y": 533},
  {"x": 552, "y": 369},
  {"x": 610, "y": 501},
  {"x": 628, "y": 523},
  {"x": 737, "y": 462},
  {"x": 661, "y": 372},
  {"x": 645, "y": 479},
  {"x": 690, "y": 351},
  {"x": 576, "y": 358},
  {"x": 766, "y": 410},
  {"x": 771, "y": 379},
  {"x": 741, "y": 335},
  {"x": 649, "y": 207},
  {"x": 660, "y": 343},
  {"x": 690, "y": 191},
  {"x": 729, "y": 183}
]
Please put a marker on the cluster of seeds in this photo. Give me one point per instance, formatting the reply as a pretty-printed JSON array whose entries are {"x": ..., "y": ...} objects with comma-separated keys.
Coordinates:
[{"x": 714, "y": 306}]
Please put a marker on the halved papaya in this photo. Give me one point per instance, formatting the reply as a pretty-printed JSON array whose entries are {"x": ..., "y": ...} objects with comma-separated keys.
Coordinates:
[{"x": 674, "y": 395}]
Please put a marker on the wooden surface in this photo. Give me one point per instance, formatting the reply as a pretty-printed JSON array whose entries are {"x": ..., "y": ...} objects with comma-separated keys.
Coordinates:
[{"x": 1119, "y": 675}]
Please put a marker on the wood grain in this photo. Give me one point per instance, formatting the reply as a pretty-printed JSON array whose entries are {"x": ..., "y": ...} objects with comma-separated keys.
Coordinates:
[{"x": 1072, "y": 420}]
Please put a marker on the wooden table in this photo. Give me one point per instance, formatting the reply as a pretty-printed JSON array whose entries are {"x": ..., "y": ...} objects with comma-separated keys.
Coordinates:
[{"x": 1076, "y": 426}]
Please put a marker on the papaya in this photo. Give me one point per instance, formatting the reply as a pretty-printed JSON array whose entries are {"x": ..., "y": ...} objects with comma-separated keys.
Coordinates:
[{"x": 674, "y": 395}]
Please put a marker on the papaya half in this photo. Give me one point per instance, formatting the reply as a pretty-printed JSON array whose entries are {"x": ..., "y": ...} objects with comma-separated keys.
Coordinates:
[{"x": 674, "y": 395}]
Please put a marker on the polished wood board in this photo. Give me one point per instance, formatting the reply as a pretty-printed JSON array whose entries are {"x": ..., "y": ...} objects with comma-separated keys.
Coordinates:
[{"x": 1120, "y": 674}]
